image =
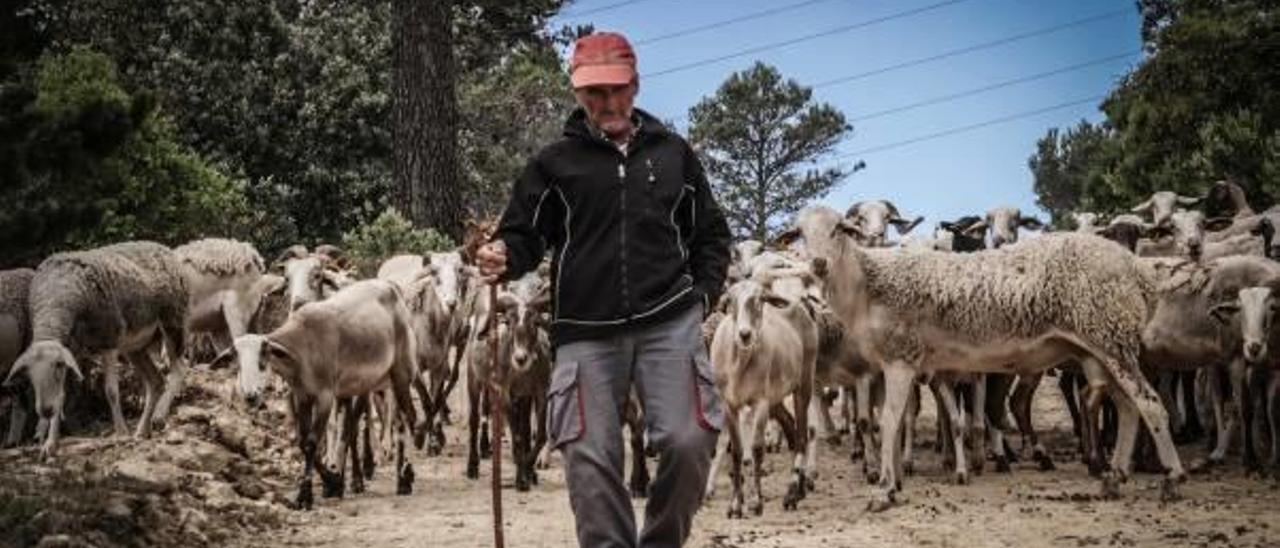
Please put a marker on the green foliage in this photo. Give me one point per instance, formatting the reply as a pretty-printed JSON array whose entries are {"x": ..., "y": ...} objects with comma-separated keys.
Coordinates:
[
  {"x": 85, "y": 162},
  {"x": 755, "y": 135},
  {"x": 1202, "y": 106},
  {"x": 1071, "y": 171},
  {"x": 389, "y": 235},
  {"x": 509, "y": 111}
]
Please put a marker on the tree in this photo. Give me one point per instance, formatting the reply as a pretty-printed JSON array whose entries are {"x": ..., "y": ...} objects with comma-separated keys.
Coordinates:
[
  {"x": 1071, "y": 172},
  {"x": 754, "y": 135}
]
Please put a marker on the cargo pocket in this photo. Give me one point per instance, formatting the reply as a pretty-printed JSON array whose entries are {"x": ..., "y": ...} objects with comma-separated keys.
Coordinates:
[
  {"x": 706, "y": 399},
  {"x": 566, "y": 415}
]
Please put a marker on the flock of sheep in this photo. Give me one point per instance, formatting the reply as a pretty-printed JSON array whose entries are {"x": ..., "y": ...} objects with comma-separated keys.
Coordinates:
[{"x": 1164, "y": 322}]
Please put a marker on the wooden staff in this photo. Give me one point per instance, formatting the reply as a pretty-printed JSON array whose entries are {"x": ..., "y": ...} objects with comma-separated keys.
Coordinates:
[{"x": 496, "y": 379}]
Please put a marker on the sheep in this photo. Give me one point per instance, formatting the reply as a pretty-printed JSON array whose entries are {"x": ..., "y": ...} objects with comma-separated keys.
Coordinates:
[
  {"x": 1028, "y": 308},
  {"x": 1226, "y": 199},
  {"x": 874, "y": 216},
  {"x": 1163, "y": 204},
  {"x": 104, "y": 303},
  {"x": 763, "y": 351},
  {"x": 1214, "y": 316},
  {"x": 1185, "y": 234},
  {"x": 741, "y": 254},
  {"x": 15, "y": 335},
  {"x": 358, "y": 341},
  {"x": 310, "y": 276},
  {"x": 223, "y": 278},
  {"x": 1004, "y": 222},
  {"x": 841, "y": 365},
  {"x": 526, "y": 308},
  {"x": 1086, "y": 221}
]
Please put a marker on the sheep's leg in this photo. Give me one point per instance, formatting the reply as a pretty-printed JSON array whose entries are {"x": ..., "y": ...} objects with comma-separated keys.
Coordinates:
[
  {"x": 1243, "y": 410},
  {"x": 1167, "y": 388},
  {"x": 828, "y": 426},
  {"x": 1023, "y": 397},
  {"x": 811, "y": 449},
  {"x": 1139, "y": 394},
  {"x": 111, "y": 386},
  {"x": 799, "y": 448},
  {"x": 848, "y": 416},
  {"x": 1224, "y": 420},
  {"x": 1273, "y": 415},
  {"x": 359, "y": 467},
  {"x": 174, "y": 379},
  {"x": 473, "y": 430},
  {"x": 898, "y": 384},
  {"x": 1193, "y": 428},
  {"x": 53, "y": 435},
  {"x": 978, "y": 425},
  {"x": 367, "y": 462},
  {"x": 540, "y": 432},
  {"x": 865, "y": 435},
  {"x": 733, "y": 420},
  {"x": 304, "y": 408},
  {"x": 907, "y": 464},
  {"x": 722, "y": 447},
  {"x": 152, "y": 383},
  {"x": 435, "y": 441},
  {"x": 485, "y": 450},
  {"x": 753, "y": 428},
  {"x": 401, "y": 380},
  {"x": 948, "y": 407},
  {"x": 1122, "y": 458},
  {"x": 520, "y": 442}
]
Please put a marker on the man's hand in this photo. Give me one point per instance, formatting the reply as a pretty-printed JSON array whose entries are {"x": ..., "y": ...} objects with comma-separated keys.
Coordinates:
[{"x": 492, "y": 260}]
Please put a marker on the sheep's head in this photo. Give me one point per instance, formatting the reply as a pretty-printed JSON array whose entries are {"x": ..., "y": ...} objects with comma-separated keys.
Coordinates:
[
  {"x": 1004, "y": 223},
  {"x": 450, "y": 275},
  {"x": 1162, "y": 205},
  {"x": 1255, "y": 307},
  {"x": 963, "y": 235},
  {"x": 873, "y": 219},
  {"x": 1086, "y": 221},
  {"x": 312, "y": 277},
  {"x": 45, "y": 364},
  {"x": 252, "y": 355},
  {"x": 1187, "y": 228},
  {"x": 746, "y": 307}
]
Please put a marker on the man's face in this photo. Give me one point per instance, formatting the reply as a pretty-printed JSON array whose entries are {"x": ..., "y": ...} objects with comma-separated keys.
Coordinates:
[{"x": 608, "y": 107}]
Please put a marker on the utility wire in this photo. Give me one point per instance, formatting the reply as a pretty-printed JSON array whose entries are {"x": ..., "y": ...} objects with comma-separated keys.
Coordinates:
[
  {"x": 606, "y": 7},
  {"x": 806, "y": 38},
  {"x": 732, "y": 21},
  {"x": 968, "y": 128},
  {"x": 993, "y": 87},
  {"x": 975, "y": 47}
]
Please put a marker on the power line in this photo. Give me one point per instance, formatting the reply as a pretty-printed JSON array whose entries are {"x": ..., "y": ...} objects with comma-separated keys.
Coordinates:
[
  {"x": 992, "y": 87},
  {"x": 975, "y": 47},
  {"x": 718, "y": 24},
  {"x": 599, "y": 9},
  {"x": 967, "y": 128},
  {"x": 806, "y": 38}
]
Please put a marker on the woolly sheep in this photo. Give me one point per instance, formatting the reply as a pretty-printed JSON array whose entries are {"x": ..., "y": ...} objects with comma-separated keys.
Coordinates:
[
  {"x": 1029, "y": 307},
  {"x": 873, "y": 218},
  {"x": 104, "y": 303},
  {"x": 15, "y": 335},
  {"x": 1163, "y": 204}
]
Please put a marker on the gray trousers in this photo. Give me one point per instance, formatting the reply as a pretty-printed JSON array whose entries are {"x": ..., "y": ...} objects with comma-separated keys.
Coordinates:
[{"x": 590, "y": 385}]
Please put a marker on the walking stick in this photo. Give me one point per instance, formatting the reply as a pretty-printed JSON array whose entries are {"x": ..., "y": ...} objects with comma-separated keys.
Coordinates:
[{"x": 496, "y": 375}]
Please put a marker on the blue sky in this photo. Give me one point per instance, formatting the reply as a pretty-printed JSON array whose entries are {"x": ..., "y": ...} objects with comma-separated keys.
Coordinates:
[{"x": 943, "y": 178}]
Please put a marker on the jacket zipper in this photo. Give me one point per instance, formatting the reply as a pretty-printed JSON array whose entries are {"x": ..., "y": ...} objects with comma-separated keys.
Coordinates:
[{"x": 622, "y": 223}]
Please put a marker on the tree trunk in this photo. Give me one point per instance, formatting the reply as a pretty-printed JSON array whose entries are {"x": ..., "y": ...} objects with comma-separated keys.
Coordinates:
[{"x": 424, "y": 116}]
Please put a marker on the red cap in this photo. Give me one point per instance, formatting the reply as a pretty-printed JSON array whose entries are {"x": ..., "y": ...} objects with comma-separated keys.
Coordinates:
[{"x": 603, "y": 58}]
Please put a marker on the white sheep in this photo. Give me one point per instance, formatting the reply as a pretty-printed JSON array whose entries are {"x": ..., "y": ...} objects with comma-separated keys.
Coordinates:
[
  {"x": 15, "y": 335},
  {"x": 1028, "y": 307},
  {"x": 107, "y": 303}
]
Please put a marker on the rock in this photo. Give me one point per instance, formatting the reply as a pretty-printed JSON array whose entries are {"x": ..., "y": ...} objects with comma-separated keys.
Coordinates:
[
  {"x": 146, "y": 477},
  {"x": 219, "y": 495},
  {"x": 61, "y": 541}
]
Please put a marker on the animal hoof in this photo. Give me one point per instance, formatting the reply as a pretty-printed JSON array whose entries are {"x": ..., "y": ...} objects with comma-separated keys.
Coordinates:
[
  {"x": 855, "y": 455},
  {"x": 357, "y": 487},
  {"x": 880, "y": 502},
  {"x": 332, "y": 485},
  {"x": 473, "y": 470},
  {"x": 873, "y": 476},
  {"x": 735, "y": 512},
  {"x": 757, "y": 508},
  {"x": 1002, "y": 465},
  {"x": 961, "y": 478},
  {"x": 404, "y": 484},
  {"x": 1045, "y": 463},
  {"x": 305, "y": 500},
  {"x": 1111, "y": 486},
  {"x": 833, "y": 440},
  {"x": 909, "y": 468},
  {"x": 794, "y": 495}
]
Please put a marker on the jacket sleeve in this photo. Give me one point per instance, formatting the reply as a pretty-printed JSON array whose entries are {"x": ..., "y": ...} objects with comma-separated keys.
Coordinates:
[
  {"x": 530, "y": 222},
  {"x": 709, "y": 251}
]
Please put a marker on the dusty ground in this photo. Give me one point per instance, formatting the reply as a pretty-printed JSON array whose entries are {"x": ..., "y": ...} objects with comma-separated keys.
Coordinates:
[{"x": 1024, "y": 508}]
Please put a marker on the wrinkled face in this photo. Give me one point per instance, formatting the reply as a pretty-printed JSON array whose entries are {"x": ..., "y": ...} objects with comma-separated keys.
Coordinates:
[
  {"x": 46, "y": 363},
  {"x": 305, "y": 277},
  {"x": 1257, "y": 306},
  {"x": 609, "y": 107},
  {"x": 448, "y": 272}
]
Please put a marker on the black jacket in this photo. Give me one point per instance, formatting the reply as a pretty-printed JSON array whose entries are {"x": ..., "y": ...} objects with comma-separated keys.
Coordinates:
[{"x": 635, "y": 239}]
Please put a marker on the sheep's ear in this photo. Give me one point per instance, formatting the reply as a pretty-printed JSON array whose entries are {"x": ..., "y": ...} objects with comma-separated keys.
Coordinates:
[
  {"x": 904, "y": 226},
  {"x": 1142, "y": 207},
  {"x": 1263, "y": 227},
  {"x": 1218, "y": 223},
  {"x": 224, "y": 359},
  {"x": 1030, "y": 223},
  {"x": 976, "y": 230},
  {"x": 786, "y": 238},
  {"x": 848, "y": 229},
  {"x": 293, "y": 252},
  {"x": 772, "y": 299},
  {"x": 278, "y": 350},
  {"x": 12, "y": 378},
  {"x": 70, "y": 361},
  {"x": 1188, "y": 200},
  {"x": 1223, "y": 311}
]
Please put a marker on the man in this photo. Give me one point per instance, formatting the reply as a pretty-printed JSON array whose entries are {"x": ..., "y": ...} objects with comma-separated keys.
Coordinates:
[{"x": 639, "y": 253}]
